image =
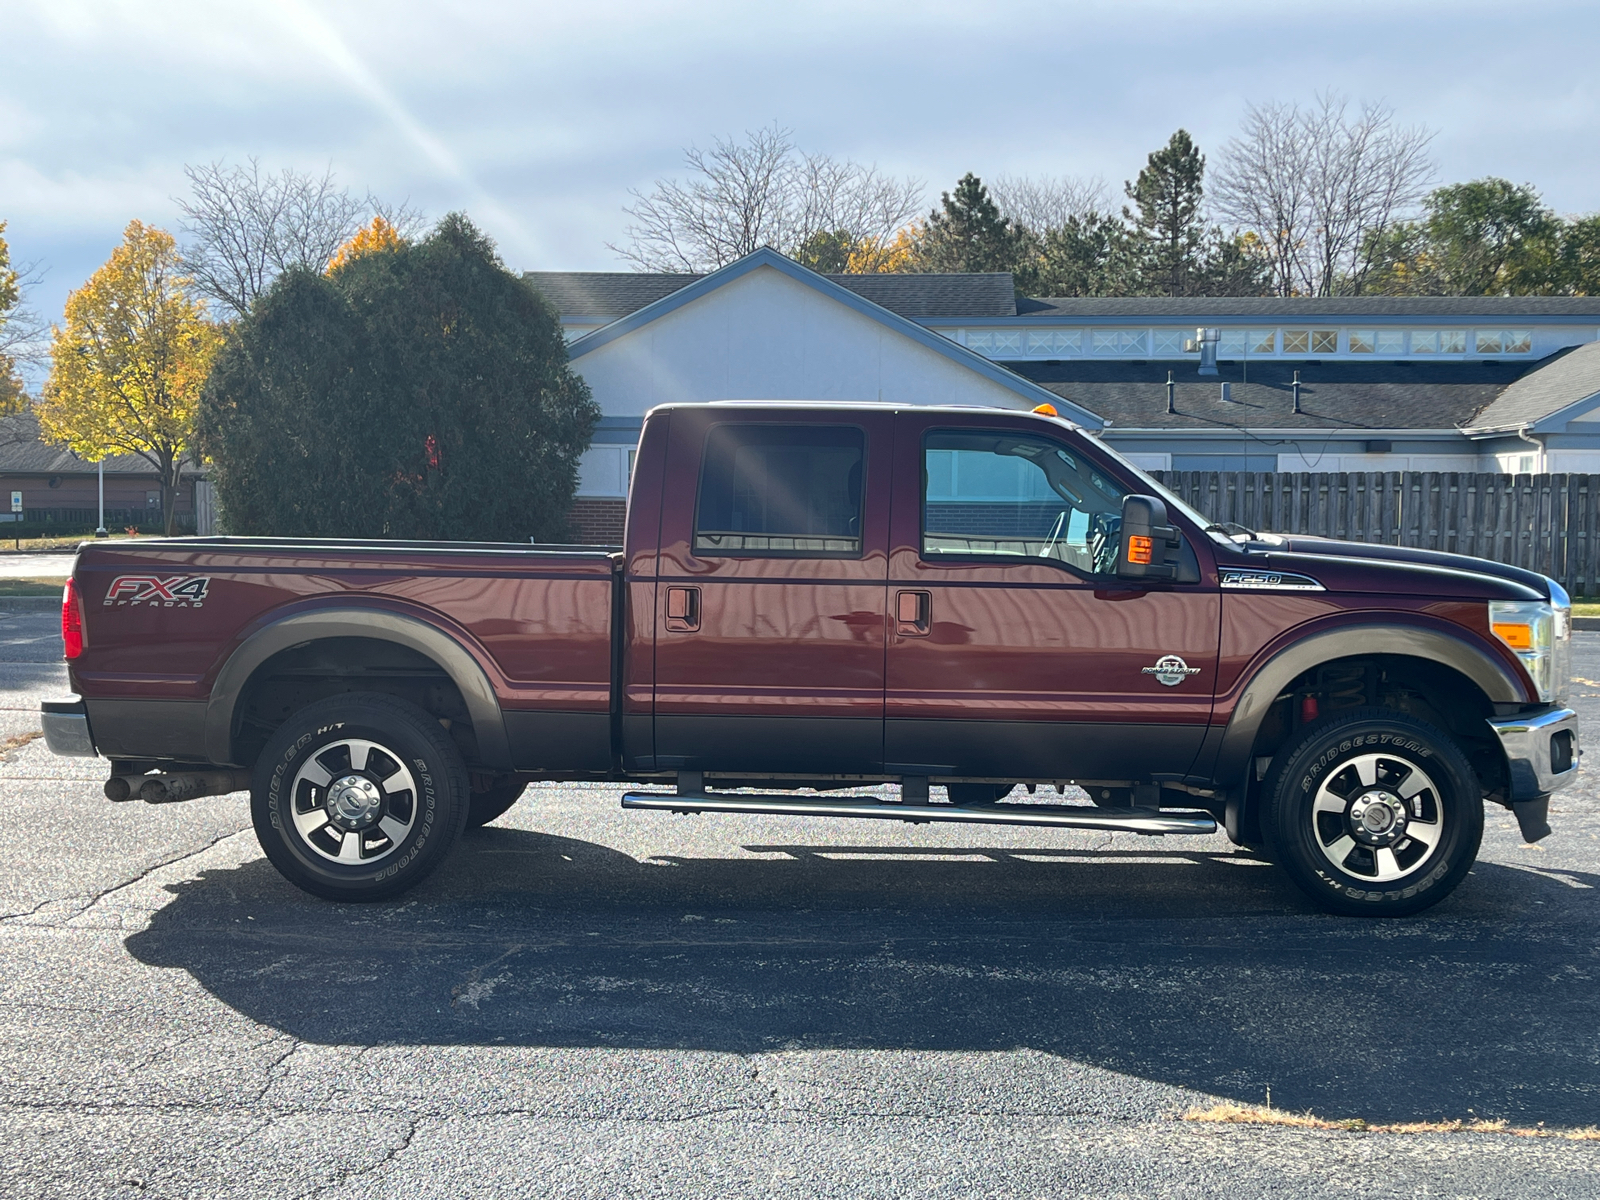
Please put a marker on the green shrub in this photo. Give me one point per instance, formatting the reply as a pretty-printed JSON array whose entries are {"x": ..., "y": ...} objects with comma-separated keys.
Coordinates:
[{"x": 420, "y": 391}]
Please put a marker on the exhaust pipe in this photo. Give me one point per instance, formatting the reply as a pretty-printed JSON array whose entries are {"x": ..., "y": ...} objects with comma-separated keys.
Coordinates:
[{"x": 170, "y": 789}]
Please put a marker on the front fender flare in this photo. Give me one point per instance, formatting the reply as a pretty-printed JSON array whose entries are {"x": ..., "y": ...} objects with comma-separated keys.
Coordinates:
[
  {"x": 1460, "y": 653},
  {"x": 477, "y": 692}
]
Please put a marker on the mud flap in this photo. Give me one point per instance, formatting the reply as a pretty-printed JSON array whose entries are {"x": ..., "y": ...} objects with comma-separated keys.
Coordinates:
[{"x": 1533, "y": 818}]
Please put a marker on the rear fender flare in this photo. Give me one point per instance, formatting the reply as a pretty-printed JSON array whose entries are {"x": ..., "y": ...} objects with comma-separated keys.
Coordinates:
[
  {"x": 373, "y": 624},
  {"x": 1475, "y": 662}
]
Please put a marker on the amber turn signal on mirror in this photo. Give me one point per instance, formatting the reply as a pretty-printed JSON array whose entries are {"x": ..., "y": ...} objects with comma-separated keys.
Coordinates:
[{"x": 1139, "y": 549}]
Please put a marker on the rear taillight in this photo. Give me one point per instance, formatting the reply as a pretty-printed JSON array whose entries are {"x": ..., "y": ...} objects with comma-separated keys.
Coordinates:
[{"x": 71, "y": 621}]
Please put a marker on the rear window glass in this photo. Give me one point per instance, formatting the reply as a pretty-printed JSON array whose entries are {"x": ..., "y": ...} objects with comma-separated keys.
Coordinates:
[{"x": 781, "y": 490}]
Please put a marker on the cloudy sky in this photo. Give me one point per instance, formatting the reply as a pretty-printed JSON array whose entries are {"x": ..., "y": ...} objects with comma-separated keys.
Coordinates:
[{"x": 536, "y": 118}]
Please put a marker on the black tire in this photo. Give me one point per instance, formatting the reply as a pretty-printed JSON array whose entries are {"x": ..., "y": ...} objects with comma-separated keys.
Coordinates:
[
  {"x": 405, "y": 803},
  {"x": 483, "y": 807},
  {"x": 1373, "y": 813}
]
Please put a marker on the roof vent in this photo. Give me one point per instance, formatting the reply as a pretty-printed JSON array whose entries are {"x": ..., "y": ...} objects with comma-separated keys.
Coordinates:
[
  {"x": 1227, "y": 393},
  {"x": 1205, "y": 341}
]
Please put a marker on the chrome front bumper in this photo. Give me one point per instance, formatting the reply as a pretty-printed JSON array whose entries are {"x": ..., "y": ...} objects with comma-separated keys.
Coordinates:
[
  {"x": 1541, "y": 750},
  {"x": 66, "y": 727},
  {"x": 1542, "y": 755}
]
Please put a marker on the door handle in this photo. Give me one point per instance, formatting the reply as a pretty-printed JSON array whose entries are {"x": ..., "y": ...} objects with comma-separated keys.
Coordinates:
[
  {"x": 913, "y": 613},
  {"x": 683, "y": 609}
]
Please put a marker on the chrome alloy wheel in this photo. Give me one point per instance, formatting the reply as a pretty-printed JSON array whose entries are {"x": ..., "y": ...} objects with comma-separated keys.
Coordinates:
[
  {"x": 354, "y": 801},
  {"x": 1378, "y": 817}
]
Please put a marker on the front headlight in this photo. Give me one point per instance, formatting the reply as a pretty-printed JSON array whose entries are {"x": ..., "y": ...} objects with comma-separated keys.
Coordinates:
[{"x": 1540, "y": 634}]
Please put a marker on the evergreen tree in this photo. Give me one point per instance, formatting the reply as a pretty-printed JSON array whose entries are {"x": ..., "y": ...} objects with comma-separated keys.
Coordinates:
[
  {"x": 416, "y": 391},
  {"x": 1090, "y": 255},
  {"x": 968, "y": 233},
  {"x": 1167, "y": 228}
]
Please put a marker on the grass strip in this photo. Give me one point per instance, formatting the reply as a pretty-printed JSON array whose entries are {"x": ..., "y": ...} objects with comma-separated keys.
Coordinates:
[
  {"x": 32, "y": 587},
  {"x": 1248, "y": 1114}
]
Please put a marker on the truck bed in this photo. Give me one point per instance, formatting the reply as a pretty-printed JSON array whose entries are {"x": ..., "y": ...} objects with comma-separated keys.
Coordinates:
[{"x": 165, "y": 621}]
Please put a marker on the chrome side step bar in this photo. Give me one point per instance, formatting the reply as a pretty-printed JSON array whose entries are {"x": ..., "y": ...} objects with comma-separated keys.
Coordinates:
[{"x": 1069, "y": 816}]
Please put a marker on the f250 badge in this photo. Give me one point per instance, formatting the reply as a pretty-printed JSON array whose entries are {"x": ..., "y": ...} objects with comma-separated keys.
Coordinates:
[
  {"x": 150, "y": 591},
  {"x": 1171, "y": 670}
]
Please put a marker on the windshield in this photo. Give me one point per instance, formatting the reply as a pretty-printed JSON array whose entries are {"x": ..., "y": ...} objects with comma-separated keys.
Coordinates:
[{"x": 1157, "y": 488}]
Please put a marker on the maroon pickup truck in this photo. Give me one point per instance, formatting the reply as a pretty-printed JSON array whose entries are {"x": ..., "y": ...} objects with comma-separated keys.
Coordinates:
[{"x": 817, "y": 598}]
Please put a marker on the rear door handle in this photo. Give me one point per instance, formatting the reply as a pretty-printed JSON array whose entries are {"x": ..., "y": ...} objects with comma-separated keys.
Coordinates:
[
  {"x": 913, "y": 613},
  {"x": 683, "y": 609}
]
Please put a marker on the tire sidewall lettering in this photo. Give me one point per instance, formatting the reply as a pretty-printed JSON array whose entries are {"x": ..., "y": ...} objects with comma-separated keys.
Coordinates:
[{"x": 400, "y": 740}]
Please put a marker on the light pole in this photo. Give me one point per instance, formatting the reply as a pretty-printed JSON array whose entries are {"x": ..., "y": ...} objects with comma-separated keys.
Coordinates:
[{"x": 100, "y": 530}]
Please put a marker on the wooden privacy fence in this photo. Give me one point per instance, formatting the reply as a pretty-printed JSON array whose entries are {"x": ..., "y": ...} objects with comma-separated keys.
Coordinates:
[{"x": 1546, "y": 523}]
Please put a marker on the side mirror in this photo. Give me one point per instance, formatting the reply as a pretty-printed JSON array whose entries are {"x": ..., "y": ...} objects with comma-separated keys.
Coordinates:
[{"x": 1147, "y": 540}]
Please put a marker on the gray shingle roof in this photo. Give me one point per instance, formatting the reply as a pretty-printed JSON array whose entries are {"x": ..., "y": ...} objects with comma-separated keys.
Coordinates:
[
  {"x": 22, "y": 453},
  {"x": 608, "y": 295},
  {"x": 1332, "y": 396},
  {"x": 1169, "y": 308},
  {"x": 1560, "y": 380}
]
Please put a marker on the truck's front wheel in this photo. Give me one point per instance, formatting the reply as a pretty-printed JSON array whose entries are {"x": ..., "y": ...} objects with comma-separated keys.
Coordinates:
[
  {"x": 1374, "y": 813},
  {"x": 359, "y": 796}
]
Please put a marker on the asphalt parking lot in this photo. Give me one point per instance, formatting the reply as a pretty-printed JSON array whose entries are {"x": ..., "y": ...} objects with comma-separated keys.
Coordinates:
[{"x": 589, "y": 1003}]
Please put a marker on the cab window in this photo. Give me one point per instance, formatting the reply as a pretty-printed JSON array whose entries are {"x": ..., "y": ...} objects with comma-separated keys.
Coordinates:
[
  {"x": 993, "y": 494},
  {"x": 781, "y": 490}
]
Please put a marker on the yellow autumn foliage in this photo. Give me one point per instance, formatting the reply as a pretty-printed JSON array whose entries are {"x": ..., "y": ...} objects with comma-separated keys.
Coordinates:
[
  {"x": 378, "y": 235},
  {"x": 130, "y": 359},
  {"x": 12, "y": 396},
  {"x": 875, "y": 255}
]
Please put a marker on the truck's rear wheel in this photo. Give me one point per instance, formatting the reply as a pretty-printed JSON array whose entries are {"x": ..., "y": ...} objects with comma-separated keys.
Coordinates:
[
  {"x": 359, "y": 796},
  {"x": 1374, "y": 813}
]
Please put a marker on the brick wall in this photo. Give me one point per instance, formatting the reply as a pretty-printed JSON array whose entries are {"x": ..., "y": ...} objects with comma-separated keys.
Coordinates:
[{"x": 598, "y": 522}]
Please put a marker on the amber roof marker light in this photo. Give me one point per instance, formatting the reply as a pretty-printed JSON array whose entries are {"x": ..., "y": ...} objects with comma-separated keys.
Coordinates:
[{"x": 1046, "y": 410}]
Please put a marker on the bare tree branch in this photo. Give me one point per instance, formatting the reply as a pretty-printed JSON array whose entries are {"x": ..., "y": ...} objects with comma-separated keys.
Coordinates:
[
  {"x": 245, "y": 227},
  {"x": 1319, "y": 188},
  {"x": 740, "y": 196},
  {"x": 1049, "y": 201}
]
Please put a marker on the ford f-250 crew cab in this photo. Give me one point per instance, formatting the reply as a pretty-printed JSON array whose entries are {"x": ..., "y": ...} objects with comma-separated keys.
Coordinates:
[{"x": 812, "y": 598}]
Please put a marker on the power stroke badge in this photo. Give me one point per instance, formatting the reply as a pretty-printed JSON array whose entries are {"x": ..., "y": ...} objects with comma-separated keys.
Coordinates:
[
  {"x": 152, "y": 591},
  {"x": 1171, "y": 670}
]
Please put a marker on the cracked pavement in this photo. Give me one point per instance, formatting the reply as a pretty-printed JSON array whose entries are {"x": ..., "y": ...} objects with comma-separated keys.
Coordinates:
[{"x": 588, "y": 1003}]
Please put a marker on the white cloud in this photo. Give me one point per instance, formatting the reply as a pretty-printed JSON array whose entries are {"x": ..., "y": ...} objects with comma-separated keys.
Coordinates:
[{"x": 536, "y": 118}]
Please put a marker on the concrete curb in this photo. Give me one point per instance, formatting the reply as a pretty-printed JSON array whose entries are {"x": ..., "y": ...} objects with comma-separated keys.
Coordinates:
[
  {"x": 29, "y": 603},
  {"x": 1586, "y": 622}
]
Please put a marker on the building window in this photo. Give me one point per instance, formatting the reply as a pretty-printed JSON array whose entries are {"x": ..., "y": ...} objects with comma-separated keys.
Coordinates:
[
  {"x": 1438, "y": 341},
  {"x": 1363, "y": 341},
  {"x": 980, "y": 340},
  {"x": 1169, "y": 341},
  {"x": 1311, "y": 341},
  {"x": 1007, "y": 342},
  {"x": 1391, "y": 341},
  {"x": 1504, "y": 341},
  {"x": 1053, "y": 343},
  {"x": 1118, "y": 341},
  {"x": 1240, "y": 343}
]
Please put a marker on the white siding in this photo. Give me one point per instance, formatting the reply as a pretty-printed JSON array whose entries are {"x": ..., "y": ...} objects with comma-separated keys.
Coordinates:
[{"x": 767, "y": 337}]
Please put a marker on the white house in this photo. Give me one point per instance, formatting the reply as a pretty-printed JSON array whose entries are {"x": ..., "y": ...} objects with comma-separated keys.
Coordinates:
[{"x": 1364, "y": 383}]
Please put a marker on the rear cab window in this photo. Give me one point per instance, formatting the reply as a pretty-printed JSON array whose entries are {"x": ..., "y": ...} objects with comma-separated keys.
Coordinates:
[{"x": 780, "y": 491}]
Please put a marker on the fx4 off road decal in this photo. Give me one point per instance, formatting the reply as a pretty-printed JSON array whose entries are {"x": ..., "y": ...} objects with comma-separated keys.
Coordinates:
[{"x": 154, "y": 591}]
